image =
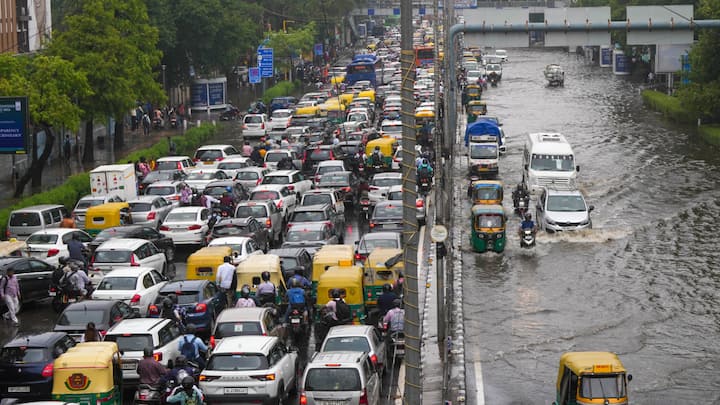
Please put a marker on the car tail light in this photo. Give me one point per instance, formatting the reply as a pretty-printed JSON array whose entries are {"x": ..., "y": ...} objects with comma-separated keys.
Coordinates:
[
  {"x": 47, "y": 371},
  {"x": 363, "y": 398},
  {"x": 164, "y": 228},
  {"x": 244, "y": 126},
  {"x": 174, "y": 197},
  {"x": 202, "y": 307},
  {"x": 92, "y": 260},
  {"x": 135, "y": 299},
  {"x": 212, "y": 342},
  {"x": 303, "y": 398},
  {"x": 196, "y": 160},
  {"x": 419, "y": 203},
  {"x": 279, "y": 204},
  {"x": 329, "y": 224},
  {"x": 317, "y": 178},
  {"x": 373, "y": 188},
  {"x": 52, "y": 289},
  {"x": 289, "y": 226},
  {"x": 257, "y": 183},
  {"x": 194, "y": 227},
  {"x": 262, "y": 126},
  {"x": 52, "y": 252},
  {"x": 151, "y": 215},
  {"x": 372, "y": 225},
  {"x": 373, "y": 358},
  {"x": 291, "y": 187},
  {"x": 346, "y": 189},
  {"x": 359, "y": 257},
  {"x": 153, "y": 310},
  {"x": 264, "y": 165},
  {"x": 7, "y": 234},
  {"x": 208, "y": 378},
  {"x": 103, "y": 333},
  {"x": 179, "y": 166},
  {"x": 264, "y": 377},
  {"x": 268, "y": 223},
  {"x": 133, "y": 260},
  {"x": 157, "y": 356}
]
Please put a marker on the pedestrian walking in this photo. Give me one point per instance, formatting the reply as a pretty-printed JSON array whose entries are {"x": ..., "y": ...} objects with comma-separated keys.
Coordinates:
[
  {"x": 10, "y": 294},
  {"x": 67, "y": 147},
  {"x": 146, "y": 124},
  {"x": 224, "y": 280}
]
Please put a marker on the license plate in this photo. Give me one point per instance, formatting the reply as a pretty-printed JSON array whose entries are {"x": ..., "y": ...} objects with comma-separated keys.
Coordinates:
[
  {"x": 52, "y": 294},
  {"x": 484, "y": 169},
  {"x": 129, "y": 366},
  {"x": 24, "y": 388},
  {"x": 208, "y": 162},
  {"x": 332, "y": 402},
  {"x": 236, "y": 390},
  {"x": 295, "y": 320}
]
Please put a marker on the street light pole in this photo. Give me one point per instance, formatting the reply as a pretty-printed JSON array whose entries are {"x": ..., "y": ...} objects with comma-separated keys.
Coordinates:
[{"x": 165, "y": 89}]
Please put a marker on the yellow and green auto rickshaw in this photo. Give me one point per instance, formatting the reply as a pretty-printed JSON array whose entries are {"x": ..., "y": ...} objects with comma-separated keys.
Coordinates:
[
  {"x": 249, "y": 272},
  {"x": 107, "y": 215},
  {"x": 474, "y": 109},
  {"x": 378, "y": 273},
  {"x": 345, "y": 98},
  {"x": 387, "y": 145},
  {"x": 203, "y": 264},
  {"x": 586, "y": 378},
  {"x": 486, "y": 192},
  {"x": 326, "y": 257},
  {"x": 349, "y": 280},
  {"x": 89, "y": 373},
  {"x": 14, "y": 248},
  {"x": 472, "y": 92},
  {"x": 336, "y": 112},
  {"x": 488, "y": 228}
]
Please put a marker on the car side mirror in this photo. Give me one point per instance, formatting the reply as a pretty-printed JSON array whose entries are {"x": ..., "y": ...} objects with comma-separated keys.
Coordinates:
[
  {"x": 629, "y": 377},
  {"x": 577, "y": 168},
  {"x": 590, "y": 208},
  {"x": 357, "y": 242},
  {"x": 526, "y": 167}
]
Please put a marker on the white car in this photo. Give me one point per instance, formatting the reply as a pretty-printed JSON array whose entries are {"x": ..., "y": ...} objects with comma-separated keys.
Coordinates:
[
  {"x": 328, "y": 166},
  {"x": 251, "y": 176},
  {"x": 51, "y": 244},
  {"x": 126, "y": 252},
  {"x": 324, "y": 196},
  {"x": 280, "y": 119},
  {"x": 380, "y": 186},
  {"x": 391, "y": 128},
  {"x": 361, "y": 338},
  {"x": 183, "y": 163},
  {"x": 199, "y": 178},
  {"x": 134, "y": 335},
  {"x": 284, "y": 199},
  {"x": 187, "y": 225},
  {"x": 248, "y": 369},
  {"x": 294, "y": 180},
  {"x": 242, "y": 247},
  {"x": 395, "y": 194},
  {"x": 255, "y": 125},
  {"x": 273, "y": 157},
  {"x": 137, "y": 286},
  {"x": 170, "y": 190},
  {"x": 149, "y": 210},
  {"x": 232, "y": 165},
  {"x": 209, "y": 156}
]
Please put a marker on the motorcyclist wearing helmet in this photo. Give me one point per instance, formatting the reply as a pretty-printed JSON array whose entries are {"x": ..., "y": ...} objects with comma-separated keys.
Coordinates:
[
  {"x": 377, "y": 157},
  {"x": 77, "y": 279},
  {"x": 520, "y": 193},
  {"x": 296, "y": 299},
  {"x": 395, "y": 317},
  {"x": 245, "y": 301},
  {"x": 187, "y": 393},
  {"x": 298, "y": 275},
  {"x": 527, "y": 223},
  {"x": 180, "y": 370},
  {"x": 385, "y": 301},
  {"x": 266, "y": 291},
  {"x": 341, "y": 313},
  {"x": 170, "y": 310},
  {"x": 424, "y": 169},
  {"x": 151, "y": 372}
]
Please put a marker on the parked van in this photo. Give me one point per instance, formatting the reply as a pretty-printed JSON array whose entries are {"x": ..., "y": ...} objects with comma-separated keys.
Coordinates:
[
  {"x": 548, "y": 159},
  {"x": 340, "y": 377},
  {"x": 28, "y": 220}
]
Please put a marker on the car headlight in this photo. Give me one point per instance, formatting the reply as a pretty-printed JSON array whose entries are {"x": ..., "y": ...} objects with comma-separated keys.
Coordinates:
[
  {"x": 481, "y": 235},
  {"x": 498, "y": 235}
]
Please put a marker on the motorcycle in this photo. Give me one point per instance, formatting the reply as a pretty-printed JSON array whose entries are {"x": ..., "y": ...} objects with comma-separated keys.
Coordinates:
[
  {"x": 298, "y": 326},
  {"x": 365, "y": 206},
  {"x": 493, "y": 80},
  {"x": 425, "y": 184},
  {"x": 527, "y": 238},
  {"x": 150, "y": 394},
  {"x": 173, "y": 122},
  {"x": 521, "y": 205},
  {"x": 231, "y": 114},
  {"x": 64, "y": 296},
  {"x": 157, "y": 123}
]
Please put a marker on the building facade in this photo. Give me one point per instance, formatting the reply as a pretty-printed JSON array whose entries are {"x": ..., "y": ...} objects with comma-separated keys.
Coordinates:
[{"x": 25, "y": 25}]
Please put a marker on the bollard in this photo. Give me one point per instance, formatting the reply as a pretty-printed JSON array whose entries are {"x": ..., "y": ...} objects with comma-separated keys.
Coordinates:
[
  {"x": 214, "y": 123},
  {"x": 198, "y": 123},
  {"x": 185, "y": 125}
]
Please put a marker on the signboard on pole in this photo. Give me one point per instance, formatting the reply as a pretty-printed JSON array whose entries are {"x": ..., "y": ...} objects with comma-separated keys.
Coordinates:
[
  {"x": 318, "y": 49},
  {"x": 254, "y": 75},
  {"x": 13, "y": 125},
  {"x": 265, "y": 61}
]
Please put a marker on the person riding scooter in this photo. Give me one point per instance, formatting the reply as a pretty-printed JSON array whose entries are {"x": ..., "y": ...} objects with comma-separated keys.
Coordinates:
[
  {"x": 520, "y": 194},
  {"x": 527, "y": 223},
  {"x": 296, "y": 299}
]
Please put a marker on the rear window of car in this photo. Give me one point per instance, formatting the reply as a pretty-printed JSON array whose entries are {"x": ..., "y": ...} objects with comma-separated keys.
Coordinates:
[
  {"x": 131, "y": 343},
  {"x": 276, "y": 180},
  {"x": 257, "y": 211},
  {"x": 168, "y": 165},
  {"x": 320, "y": 154},
  {"x": 237, "y": 362},
  {"x": 117, "y": 283},
  {"x": 160, "y": 190},
  {"x": 216, "y": 191},
  {"x": 247, "y": 176},
  {"x": 112, "y": 256},
  {"x": 305, "y": 236},
  {"x": 85, "y": 204},
  {"x": 42, "y": 239},
  {"x": 208, "y": 154},
  {"x": 346, "y": 343},
  {"x": 309, "y": 216},
  {"x": 184, "y": 297},
  {"x": 333, "y": 379},
  {"x": 140, "y": 207},
  {"x": 228, "y": 329},
  {"x": 265, "y": 195},
  {"x": 181, "y": 217},
  {"x": 387, "y": 182},
  {"x": 25, "y": 219},
  {"x": 370, "y": 244},
  {"x": 388, "y": 211},
  {"x": 253, "y": 119},
  {"x": 22, "y": 355},
  {"x": 330, "y": 169},
  {"x": 232, "y": 165},
  {"x": 334, "y": 178},
  {"x": 315, "y": 199},
  {"x": 81, "y": 317},
  {"x": 395, "y": 195},
  {"x": 275, "y": 157},
  {"x": 229, "y": 230}
]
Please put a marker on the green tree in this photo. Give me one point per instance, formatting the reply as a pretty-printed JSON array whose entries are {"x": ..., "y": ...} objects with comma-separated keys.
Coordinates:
[
  {"x": 294, "y": 41},
  {"x": 113, "y": 43},
  {"x": 51, "y": 85}
]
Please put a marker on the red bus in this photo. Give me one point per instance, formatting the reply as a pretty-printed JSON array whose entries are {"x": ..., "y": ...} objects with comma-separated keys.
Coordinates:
[{"x": 424, "y": 55}]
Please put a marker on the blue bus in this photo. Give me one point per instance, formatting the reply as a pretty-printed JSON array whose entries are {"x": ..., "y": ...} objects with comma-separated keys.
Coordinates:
[{"x": 364, "y": 67}]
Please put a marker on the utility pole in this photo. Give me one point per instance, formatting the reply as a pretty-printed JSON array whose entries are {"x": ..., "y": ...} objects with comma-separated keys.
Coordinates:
[{"x": 413, "y": 368}]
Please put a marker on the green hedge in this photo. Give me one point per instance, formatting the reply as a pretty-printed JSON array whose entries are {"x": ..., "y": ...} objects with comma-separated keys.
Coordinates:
[
  {"x": 284, "y": 88},
  {"x": 710, "y": 133},
  {"x": 670, "y": 106},
  {"x": 78, "y": 185}
]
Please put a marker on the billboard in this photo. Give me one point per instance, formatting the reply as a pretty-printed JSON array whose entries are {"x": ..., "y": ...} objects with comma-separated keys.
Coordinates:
[
  {"x": 668, "y": 58},
  {"x": 13, "y": 125}
]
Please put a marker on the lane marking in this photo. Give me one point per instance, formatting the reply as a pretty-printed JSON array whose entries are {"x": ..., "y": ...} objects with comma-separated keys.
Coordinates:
[
  {"x": 401, "y": 385},
  {"x": 479, "y": 388}
]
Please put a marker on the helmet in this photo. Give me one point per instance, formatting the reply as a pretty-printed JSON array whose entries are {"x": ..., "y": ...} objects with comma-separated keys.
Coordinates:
[
  {"x": 299, "y": 272},
  {"x": 265, "y": 276},
  {"x": 227, "y": 259},
  {"x": 387, "y": 288},
  {"x": 191, "y": 329},
  {"x": 245, "y": 291},
  {"x": 63, "y": 260},
  {"x": 148, "y": 352},
  {"x": 167, "y": 303},
  {"x": 295, "y": 283},
  {"x": 335, "y": 293},
  {"x": 520, "y": 186},
  {"x": 396, "y": 303},
  {"x": 180, "y": 361},
  {"x": 188, "y": 383},
  {"x": 528, "y": 216},
  {"x": 377, "y": 148}
]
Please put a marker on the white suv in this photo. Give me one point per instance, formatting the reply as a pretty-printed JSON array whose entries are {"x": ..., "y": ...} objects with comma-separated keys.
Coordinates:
[
  {"x": 562, "y": 208},
  {"x": 126, "y": 252},
  {"x": 250, "y": 369},
  {"x": 134, "y": 335},
  {"x": 292, "y": 178},
  {"x": 255, "y": 125},
  {"x": 357, "y": 338}
]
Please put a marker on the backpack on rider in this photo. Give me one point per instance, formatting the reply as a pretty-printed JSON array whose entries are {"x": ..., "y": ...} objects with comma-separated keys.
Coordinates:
[{"x": 188, "y": 348}]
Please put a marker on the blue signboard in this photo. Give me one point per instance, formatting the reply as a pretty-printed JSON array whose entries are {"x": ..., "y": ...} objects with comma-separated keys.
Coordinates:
[
  {"x": 396, "y": 11},
  {"x": 13, "y": 125},
  {"x": 605, "y": 57},
  {"x": 422, "y": 11},
  {"x": 199, "y": 95},
  {"x": 622, "y": 63},
  {"x": 371, "y": 11},
  {"x": 318, "y": 49},
  {"x": 265, "y": 62},
  {"x": 216, "y": 93},
  {"x": 254, "y": 75}
]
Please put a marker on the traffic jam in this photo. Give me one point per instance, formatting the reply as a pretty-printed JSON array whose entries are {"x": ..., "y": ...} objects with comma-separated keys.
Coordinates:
[{"x": 267, "y": 270}]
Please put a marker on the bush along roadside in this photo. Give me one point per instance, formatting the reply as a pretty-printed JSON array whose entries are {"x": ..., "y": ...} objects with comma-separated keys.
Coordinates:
[
  {"x": 78, "y": 185},
  {"x": 668, "y": 105},
  {"x": 284, "y": 88}
]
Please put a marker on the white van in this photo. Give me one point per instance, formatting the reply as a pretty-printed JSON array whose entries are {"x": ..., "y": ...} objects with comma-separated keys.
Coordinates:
[
  {"x": 548, "y": 159},
  {"x": 26, "y": 221}
]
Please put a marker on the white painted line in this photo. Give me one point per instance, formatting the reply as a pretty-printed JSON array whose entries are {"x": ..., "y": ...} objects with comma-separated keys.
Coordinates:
[
  {"x": 479, "y": 387},
  {"x": 401, "y": 385}
]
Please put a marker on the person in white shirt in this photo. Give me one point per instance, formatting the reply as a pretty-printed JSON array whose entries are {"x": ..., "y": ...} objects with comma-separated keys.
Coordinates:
[{"x": 224, "y": 279}]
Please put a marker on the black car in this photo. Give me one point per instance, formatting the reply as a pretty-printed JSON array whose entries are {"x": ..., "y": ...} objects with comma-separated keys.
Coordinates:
[
  {"x": 104, "y": 313},
  {"x": 345, "y": 182},
  {"x": 161, "y": 241},
  {"x": 314, "y": 155},
  {"x": 237, "y": 191},
  {"x": 160, "y": 175},
  {"x": 26, "y": 364},
  {"x": 292, "y": 258},
  {"x": 248, "y": 226},
  {"x": 33, "y": 275},
  {"x": 201, "y": 301}
]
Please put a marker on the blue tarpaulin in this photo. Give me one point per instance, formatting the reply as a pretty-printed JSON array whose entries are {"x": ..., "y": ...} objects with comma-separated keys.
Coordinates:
[{"x": 481, "y": 127}]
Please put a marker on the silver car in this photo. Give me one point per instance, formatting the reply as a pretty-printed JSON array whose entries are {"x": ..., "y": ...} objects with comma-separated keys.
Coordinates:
[
  {"x": 90, "y": 201},
  {"x": 562, "y": 209},
  {"x": 395, "y": 194},
  {"x": 266, "y": 213},
  {"x": 255, "y": 125},
  {"x": 250, "y": 176},
  {"x": 149, "y": 210},
  {"x": 380, "y": 186}
]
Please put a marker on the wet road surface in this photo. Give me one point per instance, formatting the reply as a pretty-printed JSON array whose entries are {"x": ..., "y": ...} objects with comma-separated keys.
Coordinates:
[{"x": 643, "y": 282}]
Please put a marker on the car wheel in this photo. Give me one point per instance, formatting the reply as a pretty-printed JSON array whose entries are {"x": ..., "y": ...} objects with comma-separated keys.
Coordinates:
[{"x": 280, "y": 400}]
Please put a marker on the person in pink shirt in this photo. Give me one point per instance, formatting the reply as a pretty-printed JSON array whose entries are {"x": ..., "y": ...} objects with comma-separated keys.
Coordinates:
[{"x": 10, "y": 293}]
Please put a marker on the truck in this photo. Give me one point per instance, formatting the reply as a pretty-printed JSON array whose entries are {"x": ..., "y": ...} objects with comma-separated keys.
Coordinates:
[
  {"x": 119, "y": 179},
  {"x": 485, "y": 143}
]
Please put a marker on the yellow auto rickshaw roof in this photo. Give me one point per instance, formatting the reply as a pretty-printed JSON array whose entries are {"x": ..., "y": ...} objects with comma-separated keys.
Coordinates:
[
  {"x": 107, "y": 207},
  {"x": 380, "y": 255},
  {"x": 477, "y": 102},
  {"x": 494, "y": 183},
  {"x": 425, "y": 114},
  {"x": 591, "y": 362},
  {"x": 334, "y": 252},
  {"x": 490, "y": 209},
  {"x": 87, "y": 355},
  {"x": 7, "y": 248},
  {"x": 211, "y": 252},
  {"x": 259, "y": 263},
  {"x": 381, "y": 142}
]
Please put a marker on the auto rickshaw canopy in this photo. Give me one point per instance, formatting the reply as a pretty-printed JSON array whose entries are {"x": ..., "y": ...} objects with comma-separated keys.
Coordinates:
[
  {"x": 328, "y": 256},
  {"x": 87, "y": 367},
  {"x": 249, "y": 272},
  {"x": 487, "y": 192},
  {"x": 581, "y": 363},
  {"x": 203, "y": 264},
  {"x": 107, "y": 215},
  {"x": 348, "y": 279},
  {"x": 488, "y": 217}
]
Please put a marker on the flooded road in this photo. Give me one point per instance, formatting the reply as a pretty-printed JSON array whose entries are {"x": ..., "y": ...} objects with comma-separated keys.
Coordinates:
[{"x": 643, "y": 282}]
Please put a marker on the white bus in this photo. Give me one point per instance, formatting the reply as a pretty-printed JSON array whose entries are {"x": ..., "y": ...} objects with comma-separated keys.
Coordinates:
[{"x": 548, "y": 159}]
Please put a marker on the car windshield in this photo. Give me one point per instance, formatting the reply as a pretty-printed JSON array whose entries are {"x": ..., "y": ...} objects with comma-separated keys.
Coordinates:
[
  {"x": 333, "y": 379},
  {"x": 347, "y": 343},
  {"x": 566, "y": 203},
  {"x": 112, "y": 256},
  {"x": 216, "y": 191},
  {"x": 274, "y": 158},
  {"x": 315, "y": 199},
  {"x": 483, "y": 151},
  {"x": 369, "y": 245},
  {"x": 265, "y": 195},
  {"x": 257, "y": 211},
  {"x": 25, "y": 219},
  {"x": 237, "y": 362},
  {"x": 488, "y": 221},
  {"x": 232, "y": 165},
  {"x": 330, "y": 169},
  {"x": 276, "y": 180},
  {"x": 181, "y": 217},
  {"x": 386, "y": 181},
  {"x": 118, "y": 283},
  {"x": 85, "y": 204},
  {"x": 288, "y": 263},
  {"x": 602, "y": 386},
  {"x": 305, "y": 235},
  {"x": 334, "y": 179},
  {"x": 184, "y": 297},
  {"x": 160, "y": 190},
  {"x": 131, "y": 343},
  {"x": 42, "y": 239},
  {"x": 246, "y": 175},
  {"x": 140, "y": 207},
  {"x": 208, "y": 154},
  {"x": 320, "y": 154},
  {"x": 228, "y": 329},
  {"x": 81, "y": 317},
  {"x": 229, "y": 230},
  {"x": 562, "y": 163},
  {"x": 23, "y": 355},
  {"x": 388, "y": 211},
  {"x": 309, "y": 216},
  {"x": 253, "y": 119}
]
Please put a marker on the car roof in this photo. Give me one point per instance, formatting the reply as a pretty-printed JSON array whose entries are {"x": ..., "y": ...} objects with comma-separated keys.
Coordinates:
[
  {"x": 392, "y": 175},
  {"x": 124, "y": 228},
  {"x": 236, "y": 159},
  {"x": 192, "y": 208},
  {"x": 269, "y": 187},
  {"x": 164, "y": 183},
  {"x": 397, "y": 187},
  {"x": 283, "y": 110},
  {"x": 286, "y": 252},
  {"x": 381, "y": 235},
  {"x": 388, "y": 202},
  {"x": 56, "y": 231},
  {"x": 322, "y": 358},
  {"x": 138, "y": 325},
  {"x": 184, "y": 285},
  {"x": 222, "y": 183},
  {"x": 219, "y": 146},
  {"x": 332, "y": 163},
  {"x": 282, "y": 173},
  {"x": 251, "y": 169},
  {"x": 128, "y": 272},
  {"x": 91, "y": 304},
  {"x": 350, "y": 330},
  {"x": 250, "y": 203},
  {"x": 308, "y": 226},
  {"x": 234, "y": 221},
  {"x": 314, "y": 207},
  {"x": 242, "y": 314},
  {"x": 41, "y": 339},
  {"x": 245, "y": 344},
  {"x": 144, "y": 198},
  {"x": 229, "y": 240},
  {"x": 172, "y": 158},
  {"x": 122, "y": 244},
  {"x": 319, "y": 191}
]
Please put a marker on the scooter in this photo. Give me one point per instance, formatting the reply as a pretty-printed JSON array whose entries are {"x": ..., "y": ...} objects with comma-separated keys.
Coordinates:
[
  {"x": 298, "y": 326},
  {"x": 527, "y": 238},
  {"x": 365, "y": 206},
  {"x": 149, "y": 394},
  {"x": 424, "y": 185},
  {"x": 521, "y": 205}
]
